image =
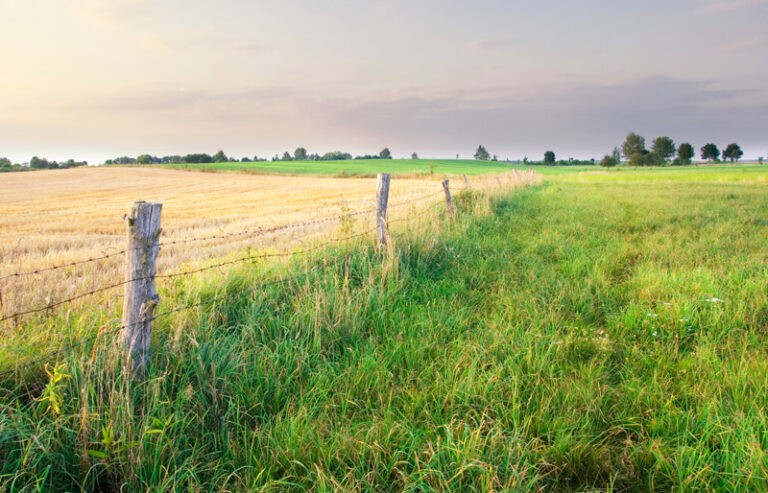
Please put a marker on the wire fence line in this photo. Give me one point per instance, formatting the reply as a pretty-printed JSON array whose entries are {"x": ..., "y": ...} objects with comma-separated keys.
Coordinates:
[
  {"x": 119, "y": 327},
  {"x": 108, "y": 287},
  {"x": 174, "y": 275},
  {"x": 254, "y": 232},
  {"x": 126, "y": 327}
]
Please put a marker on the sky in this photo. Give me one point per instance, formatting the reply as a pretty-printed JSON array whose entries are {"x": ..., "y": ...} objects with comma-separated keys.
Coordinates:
[{"x": 96, "y": 79}]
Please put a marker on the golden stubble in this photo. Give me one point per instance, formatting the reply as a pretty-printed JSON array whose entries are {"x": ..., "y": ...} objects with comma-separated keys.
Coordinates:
[{"x": 53, "y": 217}]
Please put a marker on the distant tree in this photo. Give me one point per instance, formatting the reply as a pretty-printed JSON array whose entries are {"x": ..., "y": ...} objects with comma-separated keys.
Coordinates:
[
  {"x": 144, "y": 159},
  {"x": 482, "y": 154},
  {"x": 495, "y": 158},
  {"x": 300, "y": 154},
  {"x": 38, "y": 163},
  {"x": 609, "y": 161},
  {"x": 616, "y": 154},
  {"x": 245, "y": 159},
  {"x": 197, "y": 158},
  {"x": 335, "y": 156},
  {"x": 653, "y": 159},
  {"x": 385, "y": 154},
  {"x": 638, "y": 159},
  {"x": 633, "y": 144},
  {"x": 710, "y": 152},
  {"x": 685, "y": 152},
  {"x": 663, "y": 148},
  {"x": 549, "y": 157},
  {"x": 4, "y": 161},
  {"x": 286, "y": 156},
  {"x": 760, "y": 160},
  {"x": 414, "y": 156},
  {"x": 733, "y": 152},
  {"x": 220, "y": 157}
]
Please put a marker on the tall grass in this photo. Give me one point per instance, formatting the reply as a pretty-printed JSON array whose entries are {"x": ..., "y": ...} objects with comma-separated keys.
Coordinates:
[{"x": 564, "y": 338}]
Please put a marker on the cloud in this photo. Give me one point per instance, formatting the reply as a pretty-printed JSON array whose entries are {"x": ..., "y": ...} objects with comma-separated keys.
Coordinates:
[
  {"x": 743, "y": 44},
  {"x": 106, "y": 13},
  {"x": 587, "y": 119},
  {"x": 583, "y": 120},
  {"x": 183, "y": 101},
  {"x": 492, "y": 44},
  {"x": 720, "y": 7}
]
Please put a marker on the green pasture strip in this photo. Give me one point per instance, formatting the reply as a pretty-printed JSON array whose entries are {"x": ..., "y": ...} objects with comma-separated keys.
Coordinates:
[{"x": 371, "y": 167}]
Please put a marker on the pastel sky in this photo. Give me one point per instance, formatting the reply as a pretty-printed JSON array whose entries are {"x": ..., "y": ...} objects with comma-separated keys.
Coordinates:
[{"x": 94, "y": 79}]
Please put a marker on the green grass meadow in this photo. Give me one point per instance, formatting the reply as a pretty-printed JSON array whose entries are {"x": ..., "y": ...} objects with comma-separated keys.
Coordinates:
[
  {"x": 371, "y": 167},
  {"x": 605, "y": 331}
]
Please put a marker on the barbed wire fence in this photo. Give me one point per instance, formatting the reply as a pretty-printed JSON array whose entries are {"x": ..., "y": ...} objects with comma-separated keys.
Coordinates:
[{"x": 144, "y": 230}]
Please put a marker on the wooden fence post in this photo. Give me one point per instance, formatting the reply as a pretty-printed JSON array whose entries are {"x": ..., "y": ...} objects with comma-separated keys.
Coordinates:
[
  {"x": 448, "y": 199},
  {"x": 140, "y": 298},
  {"x": 382, "y": 197},
  {"x": 466, "y": 182}
]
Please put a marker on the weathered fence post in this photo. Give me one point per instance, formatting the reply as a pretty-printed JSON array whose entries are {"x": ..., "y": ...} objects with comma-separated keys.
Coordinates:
[
  {"x": 382, "y": 197},
  {"x": 140, "y": 298},
  {"x": 466, "y": 182},
  {"x": 448, "y": 199}
]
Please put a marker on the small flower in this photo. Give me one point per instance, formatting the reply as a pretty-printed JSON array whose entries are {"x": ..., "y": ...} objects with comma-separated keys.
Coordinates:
[
  {"x": 714, "y": 300},
  {"x": 655, "y": 333},
  {"x": 652, "y": 315}
]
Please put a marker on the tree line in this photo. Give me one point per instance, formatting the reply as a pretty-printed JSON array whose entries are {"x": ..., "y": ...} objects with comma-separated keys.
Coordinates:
[
  {"x": 664, "y": 151},
  {"x": 300, "y": 154},
  {"x": 39, "y": 163},
  {"x": 549, "y": 159}
]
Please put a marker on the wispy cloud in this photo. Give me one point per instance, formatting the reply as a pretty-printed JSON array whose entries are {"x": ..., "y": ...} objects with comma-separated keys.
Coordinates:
[
  {"x": 492, "y": 44},
  {"x": 111, "y": 12},
  {"x": 720, "y": 7},
  {"x": 742, "y": 44}
]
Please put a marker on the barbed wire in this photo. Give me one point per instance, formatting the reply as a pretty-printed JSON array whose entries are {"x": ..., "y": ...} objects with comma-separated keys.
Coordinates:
[
  {"x": 101, "y": 333},
  {"x": 120, "y": 327},
  {"x": 177, "y": 274},
  {"x": 255, "y": 232},
  {"x": 63, "y": 266}
]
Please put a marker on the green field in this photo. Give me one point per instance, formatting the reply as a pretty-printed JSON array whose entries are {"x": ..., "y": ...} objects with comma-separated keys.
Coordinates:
[
  {"x": 601, "y": 332},
  {"x": 700, "y": 174},
  {"x": 370, "y": 167}
]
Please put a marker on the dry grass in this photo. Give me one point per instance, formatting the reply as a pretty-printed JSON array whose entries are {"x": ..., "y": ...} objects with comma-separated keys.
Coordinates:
[{"x": 55, "y": 217}]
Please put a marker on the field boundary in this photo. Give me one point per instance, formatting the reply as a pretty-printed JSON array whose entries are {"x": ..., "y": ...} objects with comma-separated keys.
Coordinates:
[{"x": 144, "y": 234}]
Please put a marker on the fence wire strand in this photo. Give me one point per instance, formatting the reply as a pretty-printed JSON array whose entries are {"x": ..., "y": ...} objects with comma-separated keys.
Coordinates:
[
  {"x": 255, "y": 232},
  {"x": 101, "y": 333}
]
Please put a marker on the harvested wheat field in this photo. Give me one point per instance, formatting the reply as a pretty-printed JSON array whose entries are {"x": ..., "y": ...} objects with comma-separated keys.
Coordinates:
[
  {"x": 54, "y": 217},
  {"x": 58, "y": 217}
]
